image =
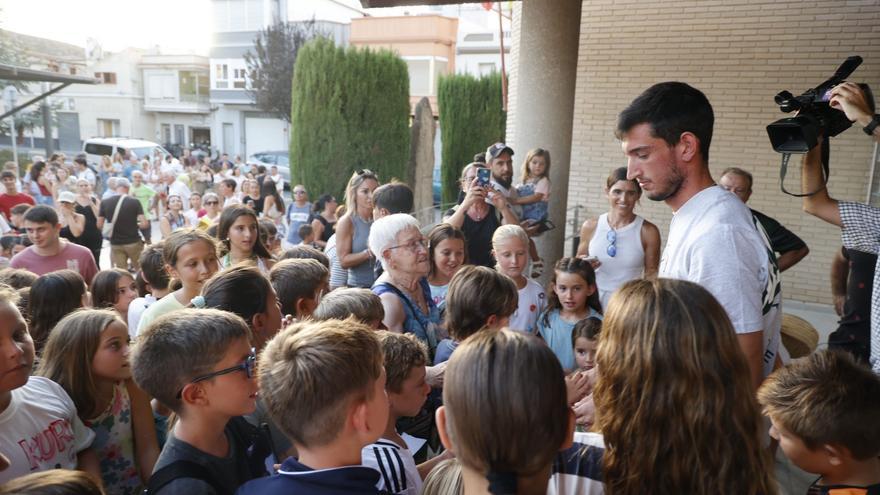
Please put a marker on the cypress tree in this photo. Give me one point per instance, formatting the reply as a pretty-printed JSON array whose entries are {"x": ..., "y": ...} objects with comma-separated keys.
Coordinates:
[
  {"x": 471, "y": 119},
  {"x": 350, "y": 111}
]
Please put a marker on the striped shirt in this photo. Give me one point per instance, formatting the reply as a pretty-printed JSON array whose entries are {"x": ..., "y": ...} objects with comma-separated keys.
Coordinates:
[{"x": 396, "y": 467}]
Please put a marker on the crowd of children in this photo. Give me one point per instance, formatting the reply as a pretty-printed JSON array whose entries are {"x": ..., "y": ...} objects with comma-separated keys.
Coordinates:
[{"x": 223, "y": 366}]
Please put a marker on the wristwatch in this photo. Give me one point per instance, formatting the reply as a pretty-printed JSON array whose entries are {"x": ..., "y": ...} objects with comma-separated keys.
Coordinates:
[{"x": 873, "y": 124}]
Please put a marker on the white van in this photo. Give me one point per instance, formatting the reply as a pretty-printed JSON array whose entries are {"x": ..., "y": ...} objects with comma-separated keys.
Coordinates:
[{"x": 94, "y": 148}]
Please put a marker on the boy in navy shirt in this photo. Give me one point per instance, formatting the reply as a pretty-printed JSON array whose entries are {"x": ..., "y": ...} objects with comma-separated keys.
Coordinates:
[{"x": 324, "y": 386}]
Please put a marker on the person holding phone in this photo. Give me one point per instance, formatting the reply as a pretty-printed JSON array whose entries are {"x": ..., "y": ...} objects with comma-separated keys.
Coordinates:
[{"x": 478, "y": 218}]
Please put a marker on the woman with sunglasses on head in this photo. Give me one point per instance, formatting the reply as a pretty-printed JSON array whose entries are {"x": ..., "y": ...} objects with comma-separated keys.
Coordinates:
[
  {"x": 353, "y": 229},
  {"x": 624, "y": 245}
]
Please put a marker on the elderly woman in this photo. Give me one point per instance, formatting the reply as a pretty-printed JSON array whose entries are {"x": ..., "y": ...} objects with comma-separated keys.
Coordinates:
[{"x": 395, "y": 240}]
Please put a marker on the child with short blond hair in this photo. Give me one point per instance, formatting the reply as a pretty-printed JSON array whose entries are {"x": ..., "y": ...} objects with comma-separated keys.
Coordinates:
[
  {"x": 324, "y": 386},
  {"x": 824, "y": 411}
]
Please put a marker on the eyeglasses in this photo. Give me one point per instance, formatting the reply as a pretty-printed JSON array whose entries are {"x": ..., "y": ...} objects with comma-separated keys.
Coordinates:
[
  {"x": 612, "y": 247},
  {"x": 209, "y": 203},
  {"x": 299, "y": 192},
  {"x": 413, "y": 246},
  {"x": 247, "y": 366}
]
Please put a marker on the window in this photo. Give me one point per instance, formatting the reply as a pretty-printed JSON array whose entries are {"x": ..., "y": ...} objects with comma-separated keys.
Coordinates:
[
  {"x": 239, "y": 80},
  {"x": 108, "y": 127},
  {"x": 238, "y": 15},
  {"x": 106, "y": 77},
  {"x": 419, "y": 77},
  {"x": 178, "y": 134},
  {"x": 166, "y": 133},
  {"x": 160, "y": 86},
  {"x": 221, "y": 76},
  {"x": 99, "y": 149}
]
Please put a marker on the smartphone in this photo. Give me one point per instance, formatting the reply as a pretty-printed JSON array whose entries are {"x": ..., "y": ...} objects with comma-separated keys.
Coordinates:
[{"x": 483, "y": 176}]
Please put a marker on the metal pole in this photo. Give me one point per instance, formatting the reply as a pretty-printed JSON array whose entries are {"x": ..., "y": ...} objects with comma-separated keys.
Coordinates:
[
  {"x": 47, "y": 124},
  {"x": 14, "y": 139}
]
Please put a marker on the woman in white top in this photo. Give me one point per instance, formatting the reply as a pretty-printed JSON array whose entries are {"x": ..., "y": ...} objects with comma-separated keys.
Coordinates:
[{"x": 626, "y": 245}]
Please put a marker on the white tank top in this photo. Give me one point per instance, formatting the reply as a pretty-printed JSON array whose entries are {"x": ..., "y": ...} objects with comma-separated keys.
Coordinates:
[{"x": 627, "y": 264}]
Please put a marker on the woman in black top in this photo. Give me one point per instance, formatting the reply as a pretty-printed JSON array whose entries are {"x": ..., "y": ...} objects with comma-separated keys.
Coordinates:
[
  {"x": 87, "y": 206},
  {"x": 323, "y": 220}
]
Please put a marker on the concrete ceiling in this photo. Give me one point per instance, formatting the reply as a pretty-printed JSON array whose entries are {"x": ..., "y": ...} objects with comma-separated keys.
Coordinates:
[{"x": 400, "y": 3}]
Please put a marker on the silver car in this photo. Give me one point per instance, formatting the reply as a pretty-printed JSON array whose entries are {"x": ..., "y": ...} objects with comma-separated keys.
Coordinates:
[{"x": 279, "y": 159}]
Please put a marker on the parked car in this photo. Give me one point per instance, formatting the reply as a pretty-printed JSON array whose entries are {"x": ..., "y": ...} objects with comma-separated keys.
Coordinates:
[
  {"x": 94, "y": 148},
  {"x": 280, "y": 159}
]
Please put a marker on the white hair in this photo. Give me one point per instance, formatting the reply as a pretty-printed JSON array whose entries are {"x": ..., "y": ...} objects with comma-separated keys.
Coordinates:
[{"x": 384, "y": 232}]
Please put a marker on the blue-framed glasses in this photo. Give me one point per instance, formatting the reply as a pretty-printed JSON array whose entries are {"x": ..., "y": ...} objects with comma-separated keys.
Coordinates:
[
  {"x": 612, "y": 240},
  {"x": 248, "y": 366}
]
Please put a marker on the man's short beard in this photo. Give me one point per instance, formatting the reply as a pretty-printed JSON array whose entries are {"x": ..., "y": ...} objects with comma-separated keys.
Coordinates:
[
  {"x": 673, "y": 184},
  {"x": 504, "y": 182}
]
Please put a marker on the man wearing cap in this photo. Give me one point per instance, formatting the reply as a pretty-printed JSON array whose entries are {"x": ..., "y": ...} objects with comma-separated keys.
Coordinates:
[
  {"x": 127, "y": 217},
  {"x": 11, "y": 196},
  {"x": 499, "y": 158},
  {"x": 49, "y": 252}
]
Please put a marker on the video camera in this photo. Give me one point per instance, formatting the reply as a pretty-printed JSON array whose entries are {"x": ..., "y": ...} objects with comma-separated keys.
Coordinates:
[{"x": 815, "y": 119}]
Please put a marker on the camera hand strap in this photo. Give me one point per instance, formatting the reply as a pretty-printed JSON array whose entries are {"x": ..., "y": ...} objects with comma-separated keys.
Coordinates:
[{"x": 783, "y": 169}]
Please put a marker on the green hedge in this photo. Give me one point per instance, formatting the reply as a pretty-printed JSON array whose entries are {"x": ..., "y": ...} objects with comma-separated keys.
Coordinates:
[
  {"x": 471, "y": 119},
  {"x": 350, "y": 110}
]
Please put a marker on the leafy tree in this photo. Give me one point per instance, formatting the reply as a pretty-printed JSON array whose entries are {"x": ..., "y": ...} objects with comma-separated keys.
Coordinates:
[
  {"x": 471, "y": 119},
  {"x": 28, "y": 118},
  {"x": 270, "y": 66},
  {"x": 350, "y": 111}
]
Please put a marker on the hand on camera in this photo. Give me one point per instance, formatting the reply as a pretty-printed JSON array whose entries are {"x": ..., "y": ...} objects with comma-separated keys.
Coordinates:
[{"x": 849, "y": 98}]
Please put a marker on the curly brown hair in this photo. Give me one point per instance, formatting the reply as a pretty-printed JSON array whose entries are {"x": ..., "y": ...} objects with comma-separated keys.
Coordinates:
[{"x": 674, "y": 400}]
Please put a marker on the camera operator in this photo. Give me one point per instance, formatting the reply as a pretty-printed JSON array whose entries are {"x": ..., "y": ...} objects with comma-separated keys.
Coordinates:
[{"x": 859, "y": 223}]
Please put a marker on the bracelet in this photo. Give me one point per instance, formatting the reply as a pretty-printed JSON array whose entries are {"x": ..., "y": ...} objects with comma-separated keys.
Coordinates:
[{"x": 869, "y": 129}]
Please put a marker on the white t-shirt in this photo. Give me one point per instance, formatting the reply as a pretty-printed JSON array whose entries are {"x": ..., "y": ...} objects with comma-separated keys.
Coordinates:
[
  {"x": 531, "y": 303},
  {"x": 396, "y": 466},
  {"x": 135, "y": 310},
  {"x": 40, "y": 430},
  {"x": 713, "y": 241}
]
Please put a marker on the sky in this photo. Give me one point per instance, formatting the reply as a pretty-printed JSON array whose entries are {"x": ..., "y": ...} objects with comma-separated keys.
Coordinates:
[{"x": 179, "y": 26}]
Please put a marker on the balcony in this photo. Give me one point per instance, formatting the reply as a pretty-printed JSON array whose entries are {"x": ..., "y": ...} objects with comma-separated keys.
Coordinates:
[{"x": 183, "y": 104}]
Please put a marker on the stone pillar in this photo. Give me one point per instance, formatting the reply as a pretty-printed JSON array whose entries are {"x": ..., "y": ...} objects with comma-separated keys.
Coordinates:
[
  {"x": 420, "y": 170},
  {"x": 545, "y": 75}
]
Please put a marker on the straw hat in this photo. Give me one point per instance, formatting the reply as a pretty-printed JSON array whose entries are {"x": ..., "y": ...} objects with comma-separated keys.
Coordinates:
[{"x": 798, "y": 336}]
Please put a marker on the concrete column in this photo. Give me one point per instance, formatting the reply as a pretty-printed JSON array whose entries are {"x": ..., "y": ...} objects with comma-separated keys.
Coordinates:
[{"x": 542, "y": 115}]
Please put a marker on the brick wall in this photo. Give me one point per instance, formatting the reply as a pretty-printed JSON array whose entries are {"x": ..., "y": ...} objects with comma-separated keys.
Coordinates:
[{"x": 740, "y": 53}]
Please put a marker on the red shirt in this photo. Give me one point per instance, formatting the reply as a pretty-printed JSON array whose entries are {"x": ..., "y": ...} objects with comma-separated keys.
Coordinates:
[{"x": 7, "y": 201}]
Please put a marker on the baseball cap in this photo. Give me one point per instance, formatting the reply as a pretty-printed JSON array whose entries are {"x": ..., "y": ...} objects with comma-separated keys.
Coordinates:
[
  {"x": 66, "y": 197},
  {"x": 496, "y": 149}
]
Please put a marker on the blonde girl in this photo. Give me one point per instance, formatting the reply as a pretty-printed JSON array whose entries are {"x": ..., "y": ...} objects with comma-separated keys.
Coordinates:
[
  {"x": 239, "y": 233},
  {"x": 674, "y": 390},
  {"x": 353, "y": 229},
  {"x": 573, "y": 297},
  {"x": 191, "y": 258},
  {"x": 510, "y": 247},
  {"x": 534, "y": 192},
  {"x": 87, "y": 354}
]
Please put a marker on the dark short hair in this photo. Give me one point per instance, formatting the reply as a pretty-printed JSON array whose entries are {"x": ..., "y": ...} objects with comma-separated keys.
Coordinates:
[
  {"x": 296, "y": 279},
  {"x": 671, "y": 108},
  {"x": 7, "y": 174},
  {"x": 152, "y": 263},
  {"x": 306, "y": 252},
  {"x": 305, "y": 230},
  {"x": 588, "y": 328},
  {"x": 41, "y": 214},
  {"x": 230, "y": 183},
  {"x": 19, "y": 209},
  {"x": 396, "y": 197}
]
